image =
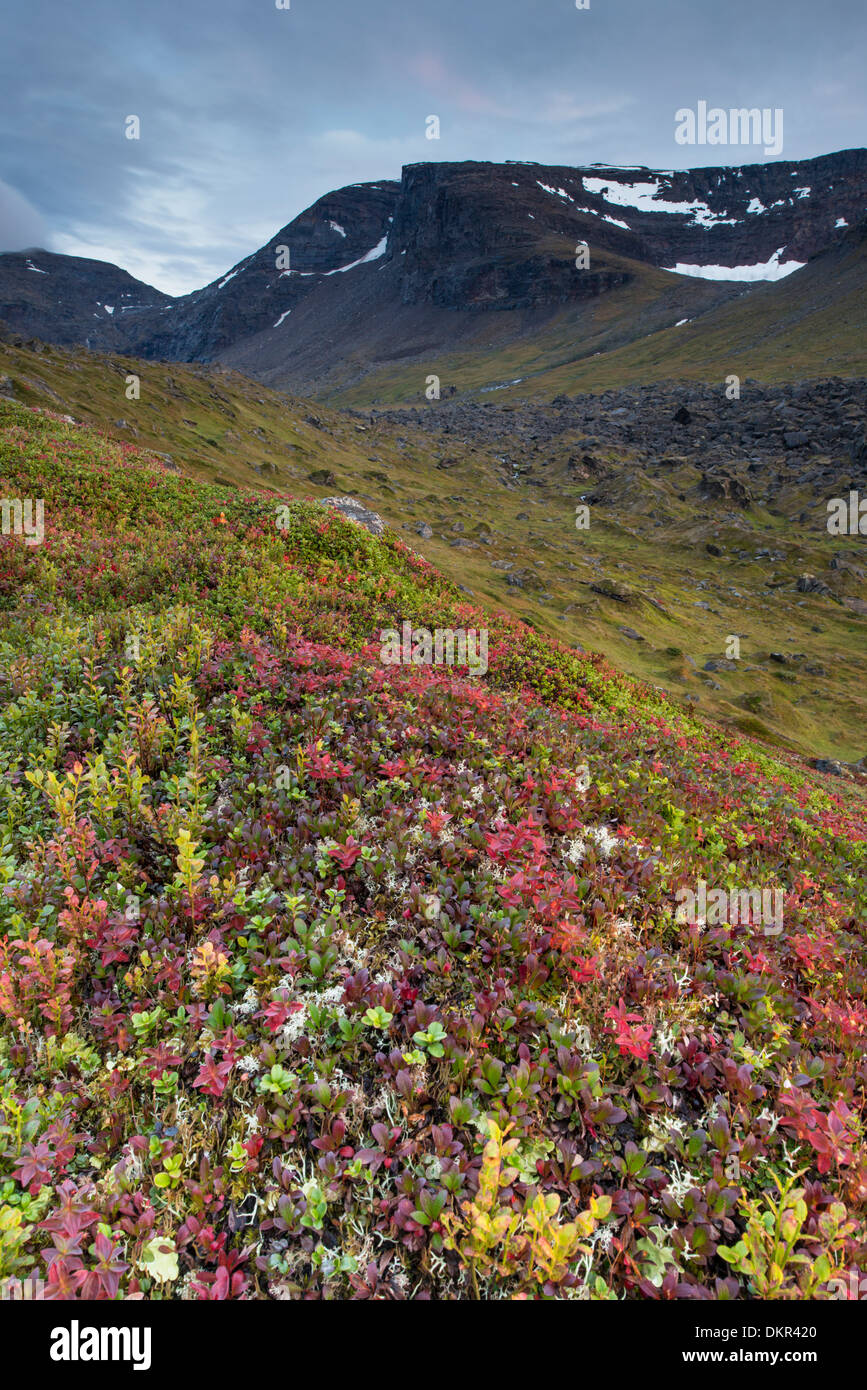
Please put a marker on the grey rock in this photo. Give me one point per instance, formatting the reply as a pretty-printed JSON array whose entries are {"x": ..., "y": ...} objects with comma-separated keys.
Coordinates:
[
  {"x": 830, "y": 765},
  {"x": 355, "y": 511},
  {"x": 809, "y": 584}
]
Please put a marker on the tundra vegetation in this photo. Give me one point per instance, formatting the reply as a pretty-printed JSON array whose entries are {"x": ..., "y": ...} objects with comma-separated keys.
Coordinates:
[{"x": 324, "y": 978}]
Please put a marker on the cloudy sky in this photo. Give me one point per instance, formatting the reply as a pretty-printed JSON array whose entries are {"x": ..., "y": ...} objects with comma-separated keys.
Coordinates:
[{"x": 249, "y": 113}]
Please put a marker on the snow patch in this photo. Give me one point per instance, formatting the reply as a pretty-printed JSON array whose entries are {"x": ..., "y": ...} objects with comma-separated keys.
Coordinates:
[
  {"x": 774, "y": 269},
  {"x": 841, "y": 222},
  {"x": 31, "y": 266},
  {"x": 336, "y": 227},
  {"x": 503, "y": 385},
  {"x": 644, "y": 197},
  {"x": 372, "y": 255},
  {"x": 282, "y": 317},
  {"x": 557, "y": 192}
]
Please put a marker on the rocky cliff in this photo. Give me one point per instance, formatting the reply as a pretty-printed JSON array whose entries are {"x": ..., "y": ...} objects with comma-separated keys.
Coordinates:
[{"x": 480, "y": 234}]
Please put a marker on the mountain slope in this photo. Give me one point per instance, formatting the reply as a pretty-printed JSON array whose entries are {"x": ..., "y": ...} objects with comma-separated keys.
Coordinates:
[
  {"x": 326, "y": 978},
  {"x": 698, "y": 530},
  {"x": 339, "y": 230},
  {"x": 812, "y": 322},
  {"x": 71, "y": 299},
  {"x": 391, "y": 347}
]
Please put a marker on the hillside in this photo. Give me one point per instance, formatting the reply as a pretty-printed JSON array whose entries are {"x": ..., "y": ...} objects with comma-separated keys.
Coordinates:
[
  {"x": 322, "y": 977},
  {"x": 696, "y": 531},
  {"x": 810, "y": 323}
]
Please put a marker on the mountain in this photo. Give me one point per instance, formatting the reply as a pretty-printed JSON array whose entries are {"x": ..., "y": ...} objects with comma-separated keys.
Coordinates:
[
  {"x": 468, "y": 271},
  {"x": 72, "y": 299},
  {"x": 343, "y": 230}
]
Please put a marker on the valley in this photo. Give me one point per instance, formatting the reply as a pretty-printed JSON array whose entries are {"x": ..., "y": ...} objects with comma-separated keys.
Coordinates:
[{"x": 708, "y": 516}]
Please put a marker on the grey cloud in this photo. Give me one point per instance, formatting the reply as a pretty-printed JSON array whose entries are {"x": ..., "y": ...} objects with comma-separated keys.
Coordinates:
[
  {"x": 250, "y": 113},
  {"x": 21, "y": 226}
]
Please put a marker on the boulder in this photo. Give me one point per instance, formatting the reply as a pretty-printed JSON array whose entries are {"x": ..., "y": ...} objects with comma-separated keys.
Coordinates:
[
  {"x": 355, "y": 511},
  {"x": 829, "y": 765},
  {"x": 809, "y": 584}
]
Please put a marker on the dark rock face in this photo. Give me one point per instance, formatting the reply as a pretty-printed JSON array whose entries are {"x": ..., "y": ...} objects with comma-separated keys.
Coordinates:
[
  {"x": 70, "y": 299},
  {"x": 471, "y": 235},
  {"x": 336, "y": 232},
  {"x": 468, "y": 238}
]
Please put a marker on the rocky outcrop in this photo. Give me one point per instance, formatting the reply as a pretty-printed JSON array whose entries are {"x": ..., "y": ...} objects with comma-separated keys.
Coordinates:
[{"x": 356, "y": 511}]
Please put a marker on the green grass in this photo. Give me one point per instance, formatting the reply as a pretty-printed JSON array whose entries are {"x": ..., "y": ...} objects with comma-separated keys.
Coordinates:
[{"x": 240, "y": 427}]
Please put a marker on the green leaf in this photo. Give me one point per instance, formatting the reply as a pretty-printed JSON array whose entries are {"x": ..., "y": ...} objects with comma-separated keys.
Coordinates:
[{"x": 159, "y": 1259}]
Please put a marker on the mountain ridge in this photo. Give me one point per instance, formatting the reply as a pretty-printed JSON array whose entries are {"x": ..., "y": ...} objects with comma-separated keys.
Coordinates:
[{"x": 463, "y": 255}]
